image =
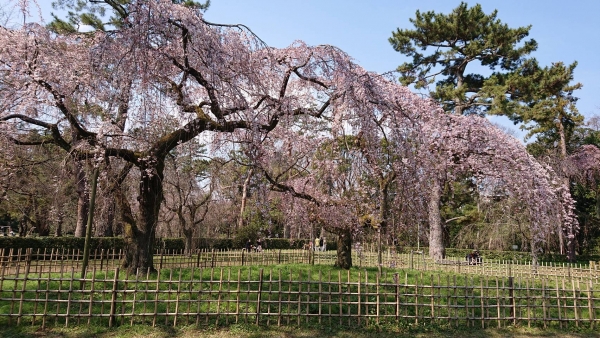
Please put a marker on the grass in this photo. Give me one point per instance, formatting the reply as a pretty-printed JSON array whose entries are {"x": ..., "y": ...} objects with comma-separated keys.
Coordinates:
[
  {"x": 304, "y": 296},
  {"x": 253, "y": 331}
]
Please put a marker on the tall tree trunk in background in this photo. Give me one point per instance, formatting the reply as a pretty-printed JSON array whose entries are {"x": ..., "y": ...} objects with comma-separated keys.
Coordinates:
[
  {"x": 570, "y": 232},
  {"x": 436, "y": 238},
  {"x": 344, "y": 249},
  {"x": 188, "y": 234},
  {"x": 104, "y": 224},
  {"x": 59, "y": 223},
  {"x": 244, "y": 198},
  {"x": 83, "y": 197}
]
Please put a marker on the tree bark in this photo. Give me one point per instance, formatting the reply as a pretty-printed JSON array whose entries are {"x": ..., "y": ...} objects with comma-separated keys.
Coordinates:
[
  {"x": 244, "y": 198},
  {"x": 104, "y": 226},
  {"x": 436, "y": 239},
  {"x": 140, "y": 234},
  {"x": 344, "y": 249},
  {"x": 59, "y": 224},
  {"x": 188, "y": 236},
  {"x": 83, "y": 198}
]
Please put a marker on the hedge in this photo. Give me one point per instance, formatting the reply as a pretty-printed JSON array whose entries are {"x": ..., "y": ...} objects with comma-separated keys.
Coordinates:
[{"x": 161, "y": 243}]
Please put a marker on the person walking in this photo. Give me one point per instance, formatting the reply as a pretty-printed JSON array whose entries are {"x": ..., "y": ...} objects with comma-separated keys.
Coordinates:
[
  {"x": 317, "y": 244},
  {"x": 324, "y": 244}
]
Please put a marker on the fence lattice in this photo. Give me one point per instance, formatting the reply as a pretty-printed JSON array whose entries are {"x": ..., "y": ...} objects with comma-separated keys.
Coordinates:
[{"x": 44, "y": 287}]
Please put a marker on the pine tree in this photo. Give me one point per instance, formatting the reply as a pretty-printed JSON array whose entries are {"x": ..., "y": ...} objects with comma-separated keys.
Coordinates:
[{"x": 442, "y": 46}]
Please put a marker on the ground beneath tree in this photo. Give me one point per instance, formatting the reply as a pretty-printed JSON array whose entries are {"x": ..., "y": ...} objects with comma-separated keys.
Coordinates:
[{"x": 251, "y": 331}]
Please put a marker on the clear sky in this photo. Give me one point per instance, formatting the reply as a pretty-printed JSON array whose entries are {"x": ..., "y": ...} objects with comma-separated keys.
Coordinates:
[{"x": 566, "y": 31}]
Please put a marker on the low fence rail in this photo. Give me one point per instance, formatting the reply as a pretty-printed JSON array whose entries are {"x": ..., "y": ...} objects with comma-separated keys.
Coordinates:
[{"x": 186, "y": 296}]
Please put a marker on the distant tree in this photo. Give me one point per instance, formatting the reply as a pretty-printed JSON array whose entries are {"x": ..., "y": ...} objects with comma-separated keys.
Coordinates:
[
  {"x": 443, "y": 46},
  {"x": 551, "y": 114}
]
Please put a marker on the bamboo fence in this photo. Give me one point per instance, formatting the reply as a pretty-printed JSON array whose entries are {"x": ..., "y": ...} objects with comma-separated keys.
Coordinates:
[
  {"x": 225, "y": 295},
  {"x": 41, "y": 286},
  {"x": 54, "y": 260}
]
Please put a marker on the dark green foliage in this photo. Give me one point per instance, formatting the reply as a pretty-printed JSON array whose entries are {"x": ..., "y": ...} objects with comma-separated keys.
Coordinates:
[
  {"x": 549, "y": 105},
  {"x": 92, "y": 13},
  {"x": 443, "y": 45},
  {"x": 60, "y": 243},
  {"x": 161, "y": 243}
]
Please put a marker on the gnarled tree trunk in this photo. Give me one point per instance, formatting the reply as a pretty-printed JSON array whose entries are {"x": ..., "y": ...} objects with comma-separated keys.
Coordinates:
[
  {"x": 344, "y": 249},
  {"x": 140, "y": 234}
]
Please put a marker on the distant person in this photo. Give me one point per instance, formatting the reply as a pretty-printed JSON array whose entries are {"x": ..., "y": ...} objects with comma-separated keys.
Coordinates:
[
  {"x": 317, "y": 244},
  {"x": 248, "y": 246},
  {"x": 258, "y": 245},
  {"x": 324, "y": 246},
  {"x": 473, "y": 258}
]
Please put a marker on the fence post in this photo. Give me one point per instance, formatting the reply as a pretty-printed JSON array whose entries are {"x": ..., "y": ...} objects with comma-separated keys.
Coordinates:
[
  {"x": 160, "y": 265},
  {"x": 113, "y": 301},
  {"x": 243, "y": 251},
  {"x": 258, "y": 296},
  {"x": 511, "y": 296},
  {"x": 212, "y": 260},
  {"x": 198, "y": 259}
]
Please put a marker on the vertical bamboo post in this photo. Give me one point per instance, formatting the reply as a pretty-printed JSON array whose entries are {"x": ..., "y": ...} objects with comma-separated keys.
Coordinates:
[
  {"x": 377, "y": 291},
  {"x": 481, "y": 302},
  {"x": 69, "y": 297},
  {"x": 45, "y": 301},
  {"x": 341, "y": 296},
  {"x": 417, "y": 299},
  {"x": 237, "y": 300},
  {"x": 37, "y": 293},
  {"x": 320, "y": 299},
  {"x": 498, "y": 302},
  {"x": 177, "y": 298},
  {"x": 23, "y": 288},
  {"x": 359, "y": 298},
  {"x": 219, "y": 290},
  {"x": 544, "y": 309},
  {"x": 259, "y": 294},
  {"x": 279, "y": 292},
  {"x": 168, "y": 300},
  {"x": 511, "y": 296},
  {"x": 558, "y": 304},
  {"x": 528, "y": 303},
  {"x": 113, "y": 301},
  {"x": 575, "y": 303},
  {"x": 135, "y": 292},
  {"x": 591, "y": 311}
]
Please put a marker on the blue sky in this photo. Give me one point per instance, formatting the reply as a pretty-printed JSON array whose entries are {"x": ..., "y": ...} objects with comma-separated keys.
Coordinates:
[{"x": 566, "y": 31}]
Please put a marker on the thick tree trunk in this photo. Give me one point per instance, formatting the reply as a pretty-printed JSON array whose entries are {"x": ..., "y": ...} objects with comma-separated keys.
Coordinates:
[
  {"x": 344, "y": 249},
  {"x": 59, "y": 224},
  {"x": 104, "y": 223},
  {"x": 140, "y": 234},
  {"x": 188, "y": 236},
  {"x": 436, "y": 238},
  {"x": 83, "y": 199}
]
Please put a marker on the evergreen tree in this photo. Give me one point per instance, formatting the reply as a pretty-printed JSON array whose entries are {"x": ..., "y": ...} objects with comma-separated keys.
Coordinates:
[
  {"x": 442, "y": 46},
  {"x": 91, "y": 13}
]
